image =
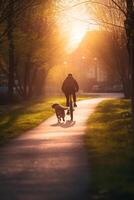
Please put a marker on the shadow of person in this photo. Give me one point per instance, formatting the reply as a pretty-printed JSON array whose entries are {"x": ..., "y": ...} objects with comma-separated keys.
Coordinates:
[
  {"x": 57, "y": 124},
  {"x": 67, "y": 124}
]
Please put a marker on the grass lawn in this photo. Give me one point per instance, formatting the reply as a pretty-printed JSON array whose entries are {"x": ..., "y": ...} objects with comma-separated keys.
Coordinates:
[
  {"x": 18, "y": 118},
  {"x": 111, "y": 151}
]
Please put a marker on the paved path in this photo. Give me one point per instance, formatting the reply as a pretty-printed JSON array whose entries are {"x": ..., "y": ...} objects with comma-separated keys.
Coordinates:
[{"x": 48, "y": 162}]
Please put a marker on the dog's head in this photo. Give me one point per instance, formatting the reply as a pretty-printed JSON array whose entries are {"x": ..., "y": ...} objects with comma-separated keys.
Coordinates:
[{"x": 54, "y": 105}]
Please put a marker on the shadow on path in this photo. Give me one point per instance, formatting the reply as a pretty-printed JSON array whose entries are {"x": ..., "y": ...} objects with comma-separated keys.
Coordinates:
[{"x": 66, "y": 124}]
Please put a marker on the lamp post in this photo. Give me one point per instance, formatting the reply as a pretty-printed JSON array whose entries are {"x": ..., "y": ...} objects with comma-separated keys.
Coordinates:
[
  {"x": 82, "y": 72},
  {"x": 96, "y": 68}
]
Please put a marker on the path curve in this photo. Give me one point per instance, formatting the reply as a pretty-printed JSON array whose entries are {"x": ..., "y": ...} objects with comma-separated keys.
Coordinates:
[{"x": 49, "y": 162}]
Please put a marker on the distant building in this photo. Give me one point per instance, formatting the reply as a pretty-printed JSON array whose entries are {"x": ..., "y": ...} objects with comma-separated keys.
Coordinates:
[{"x": 96, "y": 73}]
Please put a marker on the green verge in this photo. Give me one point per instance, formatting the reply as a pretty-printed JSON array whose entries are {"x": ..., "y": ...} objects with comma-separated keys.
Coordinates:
[
  {"x": 16, "y": 119},
  {"x": 111, "y": 151}
]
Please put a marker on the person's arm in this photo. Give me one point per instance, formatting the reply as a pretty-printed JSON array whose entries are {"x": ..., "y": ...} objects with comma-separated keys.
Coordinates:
[
  {"x": 76, "y": 86},
  {"x": 63, "y": 86}
]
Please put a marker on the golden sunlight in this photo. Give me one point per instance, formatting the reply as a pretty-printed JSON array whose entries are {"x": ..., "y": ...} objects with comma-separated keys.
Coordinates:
[
  {"x": 74, "y": 22},
  {"x": 76, "y": 33}
]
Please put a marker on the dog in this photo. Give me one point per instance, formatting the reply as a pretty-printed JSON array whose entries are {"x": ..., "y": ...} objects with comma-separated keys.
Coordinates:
[{"x": 59, "y": 111}]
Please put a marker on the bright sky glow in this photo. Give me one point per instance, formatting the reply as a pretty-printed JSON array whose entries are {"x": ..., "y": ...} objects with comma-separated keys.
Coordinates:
[{"x": 74, "y": 23}]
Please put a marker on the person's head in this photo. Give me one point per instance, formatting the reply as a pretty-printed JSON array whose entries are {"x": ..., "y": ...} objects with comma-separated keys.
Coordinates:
[
  {"x": 70, "y": 75},
  {"x": 54, "y": 105}
]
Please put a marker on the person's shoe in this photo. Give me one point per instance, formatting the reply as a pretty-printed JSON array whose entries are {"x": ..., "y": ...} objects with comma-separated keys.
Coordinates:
[{"x": 75, "y": 105}]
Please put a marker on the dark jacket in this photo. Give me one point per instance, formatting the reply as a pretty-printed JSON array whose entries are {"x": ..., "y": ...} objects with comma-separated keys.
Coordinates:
[{"x": 70, "y": 85}]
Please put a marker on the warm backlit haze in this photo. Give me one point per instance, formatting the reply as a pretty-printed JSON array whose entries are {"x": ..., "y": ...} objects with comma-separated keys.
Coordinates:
[
  {"x": 83, "y": 55},
  {"x": 74, "y": 22}
]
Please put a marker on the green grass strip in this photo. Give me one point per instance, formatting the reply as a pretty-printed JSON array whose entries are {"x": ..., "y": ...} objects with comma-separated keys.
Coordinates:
[
  {"x": 15, "y": 119},
  {"x": 111, "y": 151}
]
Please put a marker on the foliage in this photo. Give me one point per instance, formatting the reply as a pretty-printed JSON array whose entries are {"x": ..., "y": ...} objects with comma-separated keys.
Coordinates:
[
  {"x": 41, "y": 50},
  {"x": 35, "y": 46}
]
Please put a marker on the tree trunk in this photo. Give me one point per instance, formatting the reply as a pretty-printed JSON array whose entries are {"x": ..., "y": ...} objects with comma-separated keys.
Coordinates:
[
  {"x": 26, "y": 81},
  {"x": 126, "y": 88},
  {"x": 132, "y": 73},
  {"x": 10, "y": 51},
  {"x": 129, "y": 25}
]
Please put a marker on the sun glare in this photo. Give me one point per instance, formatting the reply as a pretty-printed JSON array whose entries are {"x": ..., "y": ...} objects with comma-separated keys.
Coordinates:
[
  {"x": 76, "y": 33},
  {"x": 74, "y": 23}
]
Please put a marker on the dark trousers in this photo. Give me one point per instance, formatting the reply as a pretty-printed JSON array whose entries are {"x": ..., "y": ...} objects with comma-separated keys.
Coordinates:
[{"x": 67, "y": 97}]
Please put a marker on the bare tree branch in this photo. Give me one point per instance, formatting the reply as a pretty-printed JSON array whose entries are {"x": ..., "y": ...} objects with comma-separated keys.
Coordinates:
[{"x": 119, "y": 7}]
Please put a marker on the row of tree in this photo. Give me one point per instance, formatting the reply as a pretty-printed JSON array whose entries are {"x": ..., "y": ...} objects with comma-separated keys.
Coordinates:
[
  {"x": 30, "y": 44},
  {"x": 30, "y": 39},
  {"x": 117, "y": 18}
]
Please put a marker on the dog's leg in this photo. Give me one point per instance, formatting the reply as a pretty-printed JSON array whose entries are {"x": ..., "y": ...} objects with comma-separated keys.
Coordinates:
[{"x": 59, "y": 119}]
